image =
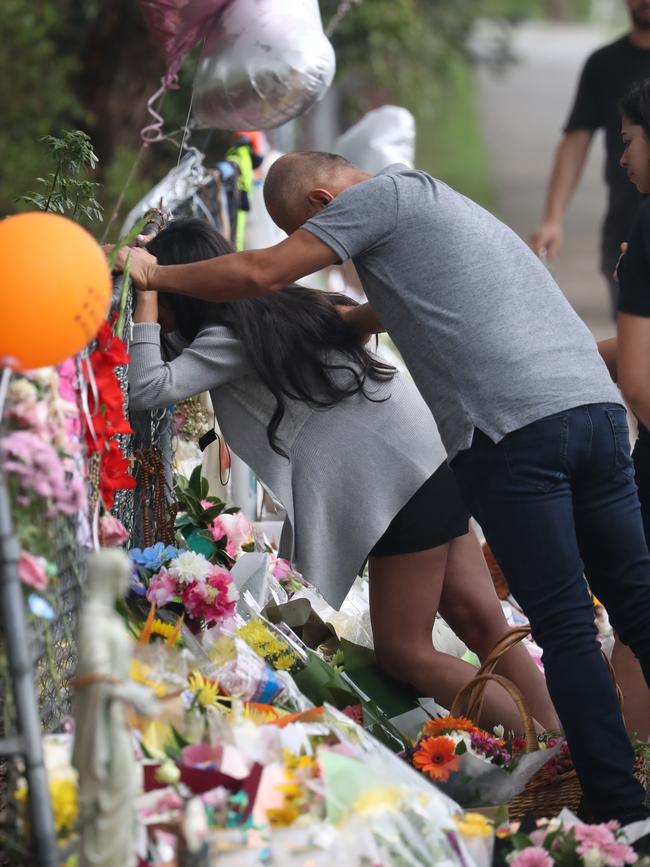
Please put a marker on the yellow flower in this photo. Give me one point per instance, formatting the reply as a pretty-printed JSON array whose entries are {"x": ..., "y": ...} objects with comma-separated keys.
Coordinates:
[
  {"x": 285, "y": 662},
  {"x": 155, "y": 737},
  {"x": 291, "y": 791},
  {"x": 283, "y": 816},
  {"x": 267, "y": 645},
  {"x": 294, "y": 762},
  {"x": 260, "y": 713},
  {"x": 205, "y": 691},
  {"x": 65, "y": 806},
  {"x": 378, "y": 799},
  {"x": 165, "y": 630},
  {"x": 140, "y": 674},
  {"x": 473, "y": 825}
]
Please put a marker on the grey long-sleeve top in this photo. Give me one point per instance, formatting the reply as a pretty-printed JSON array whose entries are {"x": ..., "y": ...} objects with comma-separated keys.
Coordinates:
[{"x": 351, "y": 468}]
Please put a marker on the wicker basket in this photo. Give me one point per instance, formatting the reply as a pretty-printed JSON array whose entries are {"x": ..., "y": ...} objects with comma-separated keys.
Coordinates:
[{"x": 544, "y": 794}]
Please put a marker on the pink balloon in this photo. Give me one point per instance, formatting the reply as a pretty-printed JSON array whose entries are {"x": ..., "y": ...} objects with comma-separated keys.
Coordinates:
[{"x": 177, "y": 25}]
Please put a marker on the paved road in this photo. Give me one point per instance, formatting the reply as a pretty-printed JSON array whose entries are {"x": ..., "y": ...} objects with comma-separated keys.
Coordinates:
[{"x": 521, "y": 115}]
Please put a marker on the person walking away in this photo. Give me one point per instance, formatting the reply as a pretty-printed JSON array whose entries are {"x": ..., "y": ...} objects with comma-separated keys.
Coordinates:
[{"x": 605, "y": 77}]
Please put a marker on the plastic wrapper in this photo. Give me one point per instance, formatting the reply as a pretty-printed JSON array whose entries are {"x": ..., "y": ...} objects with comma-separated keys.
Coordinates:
[
  {"x": 353, "y": 620},
  {"x": 255, "y": 584},
  {"x": 178, "y": 185},
  {"x": 264, "y": 62},
  {"x": 242, "y": 674},
  {"x": 478, "y": 783}
]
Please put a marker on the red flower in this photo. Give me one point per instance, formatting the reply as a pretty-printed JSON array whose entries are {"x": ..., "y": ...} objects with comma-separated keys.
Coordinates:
[
  {"x": 355, "y": 712},
  {"x": 108, "y": 418},
  {"x": 115, "y": 473}
]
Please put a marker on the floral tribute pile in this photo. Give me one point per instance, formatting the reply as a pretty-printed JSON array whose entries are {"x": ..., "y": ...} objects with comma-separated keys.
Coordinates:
[{"x": 271, "y": 745}]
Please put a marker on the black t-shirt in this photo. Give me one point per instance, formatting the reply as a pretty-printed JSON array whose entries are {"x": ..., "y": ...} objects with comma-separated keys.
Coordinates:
[
  {"x": 606, "y": 76},
  {"x": 634, "y": 270},
  {"x": 634, "y": 279}
]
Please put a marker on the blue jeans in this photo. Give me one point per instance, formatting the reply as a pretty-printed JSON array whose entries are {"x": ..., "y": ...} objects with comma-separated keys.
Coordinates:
[{"x": 557, "y": 501}]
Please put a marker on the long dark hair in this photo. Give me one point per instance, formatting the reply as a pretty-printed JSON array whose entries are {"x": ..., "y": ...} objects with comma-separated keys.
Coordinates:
[
  {"x": 295, "y": 340},
  {"x": 635, "y": 105}
]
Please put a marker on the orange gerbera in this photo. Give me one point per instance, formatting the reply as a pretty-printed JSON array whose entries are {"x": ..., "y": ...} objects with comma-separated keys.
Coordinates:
[
  {"x": 438, "y": 726},
  {"x": 436, "y": 758}
]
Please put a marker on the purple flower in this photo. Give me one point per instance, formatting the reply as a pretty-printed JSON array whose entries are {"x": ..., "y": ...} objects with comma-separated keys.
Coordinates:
[{"x": 489, "y": 747}]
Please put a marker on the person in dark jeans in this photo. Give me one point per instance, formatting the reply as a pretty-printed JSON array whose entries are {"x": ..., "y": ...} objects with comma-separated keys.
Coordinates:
[
  {"x": 552, "y": 509},
  {"x": 521, "y": 397}
]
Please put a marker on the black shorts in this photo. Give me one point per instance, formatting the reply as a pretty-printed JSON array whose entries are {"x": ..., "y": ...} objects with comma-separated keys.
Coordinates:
[{"x": 434, "y": 515}]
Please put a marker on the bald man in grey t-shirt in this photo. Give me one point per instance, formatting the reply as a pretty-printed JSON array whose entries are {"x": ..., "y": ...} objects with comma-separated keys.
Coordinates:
[{"x": 535, "y": 430}]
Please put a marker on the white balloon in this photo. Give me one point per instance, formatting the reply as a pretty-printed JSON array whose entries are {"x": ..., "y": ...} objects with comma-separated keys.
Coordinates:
[
  {"x": 264, "y": 62},
  {"x": 384, "y": 136}
]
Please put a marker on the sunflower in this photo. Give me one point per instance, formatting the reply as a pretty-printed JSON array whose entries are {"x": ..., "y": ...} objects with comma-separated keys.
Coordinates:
[
  {"x": 164, "y": 630},
  {"x": 442, "y": 724},
  {"x": 206, "y": 692},
  {"x": 436, "y": 758}
]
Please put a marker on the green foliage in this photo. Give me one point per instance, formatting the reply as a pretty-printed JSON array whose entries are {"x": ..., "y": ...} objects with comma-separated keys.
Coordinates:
[
  {"x": 41, "y": 43},
  {"x": 449, "y": 145},
  {"x": 65, "y": 191},
  {"x": 194, "y": 519},
  {"x": 398, "y": 49}
]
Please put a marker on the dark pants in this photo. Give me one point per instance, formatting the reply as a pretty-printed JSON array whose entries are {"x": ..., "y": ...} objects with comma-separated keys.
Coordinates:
[
  {"x": 641, "y": 457},
  {"x": 557, "y": 501}
]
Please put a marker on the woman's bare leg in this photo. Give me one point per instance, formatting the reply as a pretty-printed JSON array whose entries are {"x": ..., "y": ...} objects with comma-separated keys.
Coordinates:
[
  {"x": 404, "y": 593},
  {"x": 471, "y": 607},
  {"x": 636, "y": 695}
]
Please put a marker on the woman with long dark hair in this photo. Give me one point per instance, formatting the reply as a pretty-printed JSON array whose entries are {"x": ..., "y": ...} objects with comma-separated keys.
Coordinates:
[{"x": 348, "y": 446}]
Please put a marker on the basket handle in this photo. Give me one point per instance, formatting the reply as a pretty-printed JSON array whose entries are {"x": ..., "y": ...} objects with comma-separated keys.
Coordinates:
[
  {"x": 470, "y": 698},
  {"x": 512, "y": 637},
  {"x": 518, "y": 634}
]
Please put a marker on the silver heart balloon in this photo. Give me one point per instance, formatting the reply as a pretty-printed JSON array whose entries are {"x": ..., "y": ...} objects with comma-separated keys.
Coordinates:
[{"x": 264, "y": 62}]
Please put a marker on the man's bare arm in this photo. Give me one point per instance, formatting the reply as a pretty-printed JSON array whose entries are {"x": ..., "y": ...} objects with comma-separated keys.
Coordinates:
[
  {"x": 569, "y": 160},
  {"x": 239, "y": 275},
  {"x": 607, "y": 349}
]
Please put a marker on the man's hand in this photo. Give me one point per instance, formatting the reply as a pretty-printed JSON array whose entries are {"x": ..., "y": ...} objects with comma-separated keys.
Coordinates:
[
  {"x": 141, "y": 265},
  {"x": 547, "y": 240}
]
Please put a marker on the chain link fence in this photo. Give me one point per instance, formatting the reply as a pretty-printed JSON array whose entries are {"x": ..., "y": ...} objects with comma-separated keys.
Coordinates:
[{"x": 53, "y": 638}]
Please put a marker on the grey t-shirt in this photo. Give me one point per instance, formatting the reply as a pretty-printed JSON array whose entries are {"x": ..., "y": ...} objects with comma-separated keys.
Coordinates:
[{"x": 488, "y": 336}]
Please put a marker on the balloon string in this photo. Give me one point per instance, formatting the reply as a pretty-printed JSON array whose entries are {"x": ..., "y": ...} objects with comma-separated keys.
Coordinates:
[
  {"x": 153, "y": 131},
  {"x": 339, "y": 15},
  {"x": 120, "y": 199},
  {"x": 186, "y": 130}
]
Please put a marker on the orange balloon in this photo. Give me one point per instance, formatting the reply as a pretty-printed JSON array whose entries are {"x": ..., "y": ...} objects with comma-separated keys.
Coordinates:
[{"x": 55, "y": 289}]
